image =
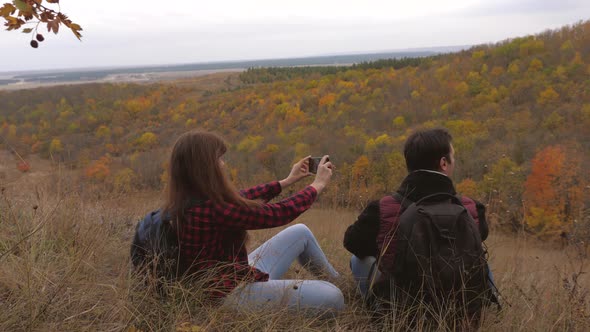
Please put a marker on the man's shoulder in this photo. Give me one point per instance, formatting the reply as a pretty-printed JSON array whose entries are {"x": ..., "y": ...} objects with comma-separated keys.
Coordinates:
[
  {"x": 466, "y": 200},
  {"x": 376, "y": 208},
  {"x": 369, "y": 212},
  {"x": 475, "y": 208},
  {"x": 390, "y": 205},
  {"x": 388, "y": 199}
]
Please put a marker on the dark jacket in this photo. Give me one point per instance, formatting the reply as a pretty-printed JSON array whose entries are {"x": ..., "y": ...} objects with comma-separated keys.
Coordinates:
[{"x": 360, "y": 237}]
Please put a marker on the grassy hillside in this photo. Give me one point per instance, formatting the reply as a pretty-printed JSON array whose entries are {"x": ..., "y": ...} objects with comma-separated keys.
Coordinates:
[{"x": 65, "y": 266}]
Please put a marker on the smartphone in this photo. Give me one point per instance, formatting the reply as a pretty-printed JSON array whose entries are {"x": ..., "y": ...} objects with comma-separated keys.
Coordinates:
[{"x": 314, "y": 162}]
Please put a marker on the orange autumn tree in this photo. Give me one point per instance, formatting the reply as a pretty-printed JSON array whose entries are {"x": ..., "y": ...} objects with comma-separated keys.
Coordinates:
[
  {"x": 552, "y": 191},
  {"x": 99, "y": 169},
  {"x": 468, "y": 187}
]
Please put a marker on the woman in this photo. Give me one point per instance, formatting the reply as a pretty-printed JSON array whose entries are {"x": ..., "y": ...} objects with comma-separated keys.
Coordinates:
[{"x": 212, "y": 219}]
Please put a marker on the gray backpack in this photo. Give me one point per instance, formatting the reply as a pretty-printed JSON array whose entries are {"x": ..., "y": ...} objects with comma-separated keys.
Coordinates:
[{"x": 439, "y": 260}]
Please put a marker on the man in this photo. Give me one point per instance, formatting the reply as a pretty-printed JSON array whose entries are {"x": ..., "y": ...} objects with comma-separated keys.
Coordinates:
[{"x": 430, "y": 162}]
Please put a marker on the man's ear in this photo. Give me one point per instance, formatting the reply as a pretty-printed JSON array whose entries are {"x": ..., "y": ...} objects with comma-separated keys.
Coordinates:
[{"x": 443, "y": 163}]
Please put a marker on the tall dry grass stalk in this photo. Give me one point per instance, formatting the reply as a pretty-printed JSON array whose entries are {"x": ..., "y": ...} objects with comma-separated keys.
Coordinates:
[{"x": 64, "y": 265}]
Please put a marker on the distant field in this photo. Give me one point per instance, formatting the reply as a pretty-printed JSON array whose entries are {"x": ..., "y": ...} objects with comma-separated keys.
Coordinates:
[
  {"x": 140, "y": 78},
  {"x": 159, "y": 73}
]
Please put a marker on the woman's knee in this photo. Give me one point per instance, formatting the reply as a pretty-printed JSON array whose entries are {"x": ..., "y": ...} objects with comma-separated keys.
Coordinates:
[
  {"x": 300, "y": 230},
  {"x": 334, "y": 298},
  {"x": 323, "y": 295}
]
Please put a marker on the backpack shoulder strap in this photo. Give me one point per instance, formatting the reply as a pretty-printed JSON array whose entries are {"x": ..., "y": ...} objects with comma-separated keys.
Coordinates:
[
  {"x": 404, "y": 201},
  {"x": 454, "y": 198}
]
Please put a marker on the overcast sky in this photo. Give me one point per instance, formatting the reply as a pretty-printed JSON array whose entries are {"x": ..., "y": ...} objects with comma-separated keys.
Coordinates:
[{"x": 133, "y": 33}]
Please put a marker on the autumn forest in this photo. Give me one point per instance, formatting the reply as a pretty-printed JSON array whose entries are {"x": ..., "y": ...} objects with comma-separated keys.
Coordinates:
[{"x": 519, "y": 111}]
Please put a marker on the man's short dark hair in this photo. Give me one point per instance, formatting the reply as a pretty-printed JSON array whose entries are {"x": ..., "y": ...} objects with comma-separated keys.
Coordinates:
[{"x": 423, "y": 149}]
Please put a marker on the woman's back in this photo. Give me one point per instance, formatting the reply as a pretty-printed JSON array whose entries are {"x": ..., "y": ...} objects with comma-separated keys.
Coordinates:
[{"x": 212, "y": 236}]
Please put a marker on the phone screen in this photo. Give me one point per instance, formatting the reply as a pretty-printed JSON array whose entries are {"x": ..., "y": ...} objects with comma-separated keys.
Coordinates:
[{"x": 313, "y": 164}]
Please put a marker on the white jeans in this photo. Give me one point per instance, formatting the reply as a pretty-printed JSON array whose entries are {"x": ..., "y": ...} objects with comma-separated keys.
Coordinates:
[{"x": 274, "y": 257}]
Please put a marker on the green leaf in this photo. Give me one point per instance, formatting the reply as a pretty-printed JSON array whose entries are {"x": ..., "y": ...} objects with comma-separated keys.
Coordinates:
[
  {"x": 27, "y": 30},
  {"x": 21, "y": 5}
]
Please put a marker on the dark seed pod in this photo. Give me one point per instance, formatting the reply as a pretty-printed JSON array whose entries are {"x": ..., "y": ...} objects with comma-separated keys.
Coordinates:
[
  {"x": 34, "y": 44},
  {"x": 40, "y": 37}
]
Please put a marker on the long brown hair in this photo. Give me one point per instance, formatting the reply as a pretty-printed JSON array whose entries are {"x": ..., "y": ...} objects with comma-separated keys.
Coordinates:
[{"x": 195, "y": 172}]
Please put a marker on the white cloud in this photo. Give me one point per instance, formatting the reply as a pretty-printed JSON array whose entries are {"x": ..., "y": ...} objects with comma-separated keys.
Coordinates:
[{"x": 526, "y": 7}]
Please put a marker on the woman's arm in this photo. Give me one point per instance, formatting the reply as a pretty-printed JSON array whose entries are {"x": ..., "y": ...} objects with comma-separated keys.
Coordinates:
[
  {"x": 266, "y": 192},
  {"x": 270, "y": 190},
  {"x": 277, "y": 214},
  {"x": 269, "y": 215}
]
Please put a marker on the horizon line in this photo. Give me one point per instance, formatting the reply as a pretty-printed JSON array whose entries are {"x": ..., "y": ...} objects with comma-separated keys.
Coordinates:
[{"x": 154, "y": 65}]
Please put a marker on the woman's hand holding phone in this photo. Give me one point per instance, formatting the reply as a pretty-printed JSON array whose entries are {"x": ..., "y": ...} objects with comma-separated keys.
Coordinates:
[
  {"x": 299, "y": 171},
  {"x": 323, "y": 175}
]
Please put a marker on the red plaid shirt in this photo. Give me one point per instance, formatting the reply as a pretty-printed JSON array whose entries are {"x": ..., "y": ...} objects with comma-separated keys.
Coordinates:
[{"x": 212, "y": 238}]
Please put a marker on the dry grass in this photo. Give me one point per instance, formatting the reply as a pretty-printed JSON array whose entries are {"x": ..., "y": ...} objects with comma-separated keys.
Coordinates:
[{"x": 65, "y": 266}]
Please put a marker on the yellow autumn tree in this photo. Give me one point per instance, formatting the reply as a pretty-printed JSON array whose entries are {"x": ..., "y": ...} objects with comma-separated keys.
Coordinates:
[
  {"x": 547, "y": 96},
  {"x": 399, "y": 122},
  {"x": 250, "y": 143},
  {"x": 360, "y": 171},
  {"x": 124, "y": 180},
  {"x": 103, "y": 132},
  {"x": 535, "y": 65},
  {"x": 55, "y": 146},
  {"x": 146, "y": 141}
]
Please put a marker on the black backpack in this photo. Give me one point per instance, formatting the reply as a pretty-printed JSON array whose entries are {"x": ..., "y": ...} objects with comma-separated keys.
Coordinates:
[
  {"x": 439, "y": 259},
  {"x": 155, "y": 248}
]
